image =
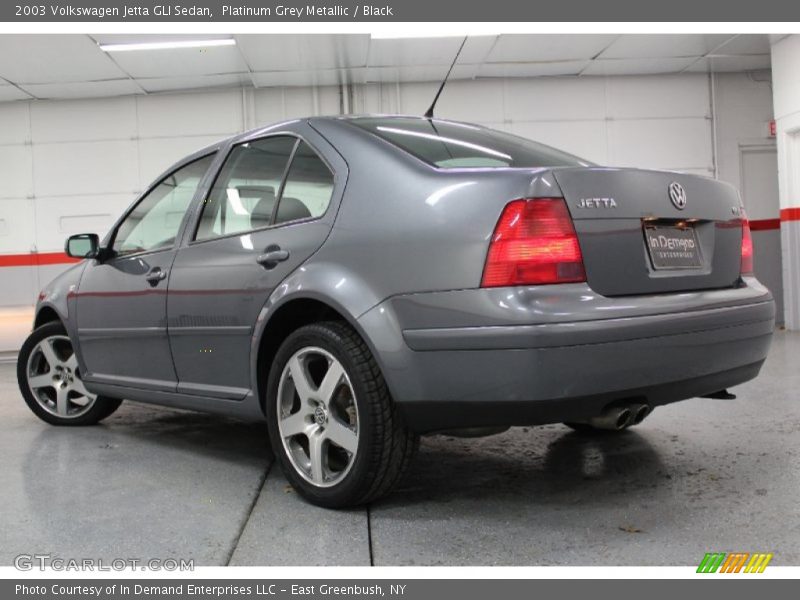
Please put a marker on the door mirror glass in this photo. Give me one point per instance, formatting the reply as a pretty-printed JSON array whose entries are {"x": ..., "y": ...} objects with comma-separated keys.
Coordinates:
[{"x": 82, "y": 245}]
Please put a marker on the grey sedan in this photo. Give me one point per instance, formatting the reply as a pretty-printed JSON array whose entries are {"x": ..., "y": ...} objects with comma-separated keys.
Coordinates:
[{"x": 359, "y": 281}]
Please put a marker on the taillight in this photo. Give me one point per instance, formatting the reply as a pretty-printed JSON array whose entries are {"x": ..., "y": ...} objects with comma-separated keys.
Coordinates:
[
  {"x": 534, "y": 243},
  {"x": 747, "y": 248}
]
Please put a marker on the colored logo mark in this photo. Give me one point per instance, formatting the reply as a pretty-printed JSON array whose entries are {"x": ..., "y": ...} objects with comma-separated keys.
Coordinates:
[{"x": 734, "y": 562}]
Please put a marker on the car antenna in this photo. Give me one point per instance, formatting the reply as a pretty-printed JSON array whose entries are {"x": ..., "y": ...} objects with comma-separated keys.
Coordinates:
[{"x": 429, "y": 112}]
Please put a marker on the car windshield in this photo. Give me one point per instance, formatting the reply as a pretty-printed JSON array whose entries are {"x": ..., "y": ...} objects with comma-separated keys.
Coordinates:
[{"x": 449, "y": 145}]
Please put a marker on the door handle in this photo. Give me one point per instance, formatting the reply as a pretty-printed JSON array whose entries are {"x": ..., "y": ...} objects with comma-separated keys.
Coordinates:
[
  {"x": 272, "y": 256},
  {"x": 155, "y": 276}
]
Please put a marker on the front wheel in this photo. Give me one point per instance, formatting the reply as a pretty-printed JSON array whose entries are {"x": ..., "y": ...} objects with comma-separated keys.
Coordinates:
[
  {"x": 333, "y": 426},
  {"x": 51, "y": 384}
]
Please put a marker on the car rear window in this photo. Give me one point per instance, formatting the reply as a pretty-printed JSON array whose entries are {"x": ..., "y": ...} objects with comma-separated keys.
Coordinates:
[{"x": 449, "y": 145}]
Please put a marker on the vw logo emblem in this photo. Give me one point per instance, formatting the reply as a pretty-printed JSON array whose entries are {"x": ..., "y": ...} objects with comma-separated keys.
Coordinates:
[
  {"x": 677, "y": 195},
  {"x": 320, "y": 415}
]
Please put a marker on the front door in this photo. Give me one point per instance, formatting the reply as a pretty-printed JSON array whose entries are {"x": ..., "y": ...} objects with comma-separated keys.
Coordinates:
[
  {"x": 266, "y": 213},
  {"x": 122, "y": 300}
]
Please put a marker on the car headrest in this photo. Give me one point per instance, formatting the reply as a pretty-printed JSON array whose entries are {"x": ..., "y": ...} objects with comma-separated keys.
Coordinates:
[
  {"x": 291, "y": 209},
  {"x": 262, "y": 211}
]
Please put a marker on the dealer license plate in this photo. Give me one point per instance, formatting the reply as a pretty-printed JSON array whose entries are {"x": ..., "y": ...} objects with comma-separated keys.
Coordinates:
[{"x": 673, "y": 247}]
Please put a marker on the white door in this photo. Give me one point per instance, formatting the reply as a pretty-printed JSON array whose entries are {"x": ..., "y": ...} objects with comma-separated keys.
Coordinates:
[{"x": 760, "y": 195}]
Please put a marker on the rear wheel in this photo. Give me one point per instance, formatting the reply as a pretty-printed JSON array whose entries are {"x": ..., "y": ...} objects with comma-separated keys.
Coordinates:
[
  {"x": 335, "y": 431},
  {"x": 51, "y": 383}
]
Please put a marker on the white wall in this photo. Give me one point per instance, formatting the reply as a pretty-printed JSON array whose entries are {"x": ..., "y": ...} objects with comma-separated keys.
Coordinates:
[
  {"x": 742, "y": 111},
  {"x": 71, "y": 166},
  {"x": 786, "y": 81}
]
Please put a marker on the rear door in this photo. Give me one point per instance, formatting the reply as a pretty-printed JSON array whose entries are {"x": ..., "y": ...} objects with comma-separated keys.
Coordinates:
[
  {"x": 647, "y": 232},
  {"x": 270, "y": 208},
  {"x": 122, "y": 301}
]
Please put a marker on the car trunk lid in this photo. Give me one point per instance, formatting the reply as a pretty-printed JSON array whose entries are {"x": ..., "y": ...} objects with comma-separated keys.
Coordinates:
[{"x": 646, "y": 232}]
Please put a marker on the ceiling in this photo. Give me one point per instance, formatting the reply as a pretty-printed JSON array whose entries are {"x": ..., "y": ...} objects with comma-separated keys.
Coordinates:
[{"x": 73, "y": 66}]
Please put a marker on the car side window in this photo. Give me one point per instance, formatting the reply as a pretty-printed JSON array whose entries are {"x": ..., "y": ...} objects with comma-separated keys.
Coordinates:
[
  {"x": 243, "y": 196},
  {"x": 154, "y": 222},
  {"x": 308, "y": 188}
]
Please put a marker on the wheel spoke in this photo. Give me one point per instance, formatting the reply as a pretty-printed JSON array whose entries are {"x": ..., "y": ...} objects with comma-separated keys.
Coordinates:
[
  {"x": 78, "y": 387},
  {"x": 316, "y": 452},
  {"x": 62, "y": 401},
  {"x": 300, "y": 379},
  {"x": 330, "y": 382},
  {"x": 341, "y": 435},
  {"x": 41, "y": 381},
  {"x": 295, "y": 424},
  {"x": 49, "y": 353},
  {"x": 72, "y": 362}
]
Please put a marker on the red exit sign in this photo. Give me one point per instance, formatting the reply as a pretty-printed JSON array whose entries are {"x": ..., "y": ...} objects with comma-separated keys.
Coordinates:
[{"x": 772, "y": 129}]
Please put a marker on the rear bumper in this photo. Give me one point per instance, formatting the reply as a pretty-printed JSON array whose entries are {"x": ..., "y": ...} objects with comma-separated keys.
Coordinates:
[
  {"x": 560, "y": 335},
  {"x": 517, "y": 374}
]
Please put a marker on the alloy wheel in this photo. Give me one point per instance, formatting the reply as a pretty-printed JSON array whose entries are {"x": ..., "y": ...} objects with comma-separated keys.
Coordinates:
[
  {"x": 54, "y": 378},
  {"x": 318, "y": 416}
]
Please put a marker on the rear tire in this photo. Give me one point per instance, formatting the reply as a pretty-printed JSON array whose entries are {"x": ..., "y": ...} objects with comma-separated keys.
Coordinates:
[
  {"x": 333, "y": 426},
  {"x": 50, "y": 380}
]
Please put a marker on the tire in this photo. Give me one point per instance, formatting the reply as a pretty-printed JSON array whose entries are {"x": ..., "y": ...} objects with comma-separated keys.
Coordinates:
[
  {"x": 50, "y": 380},
  {"x": 341, "y": 413}
]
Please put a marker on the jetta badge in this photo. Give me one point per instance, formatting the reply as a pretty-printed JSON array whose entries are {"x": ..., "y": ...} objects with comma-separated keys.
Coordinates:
[
  {"x": 597, "y": 203},
  {"x": 677, "y": 195}
]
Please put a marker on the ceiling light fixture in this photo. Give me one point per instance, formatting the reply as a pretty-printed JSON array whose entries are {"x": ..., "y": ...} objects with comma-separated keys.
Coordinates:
[
  {"x": 391, "y": 35},
  {"x": 169, "y": 45}
]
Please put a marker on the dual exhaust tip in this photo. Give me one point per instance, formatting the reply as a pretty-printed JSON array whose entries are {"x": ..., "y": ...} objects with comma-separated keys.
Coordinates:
[{"x": 620, "y": 417}]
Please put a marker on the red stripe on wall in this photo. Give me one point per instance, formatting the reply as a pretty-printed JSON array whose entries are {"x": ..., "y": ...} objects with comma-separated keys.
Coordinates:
[
  {"x": 59, "y": 258},
  {"x": 36, "y": 259},
  {"x": 765, "y": 224},
  {"x": 790, "y": 214}
]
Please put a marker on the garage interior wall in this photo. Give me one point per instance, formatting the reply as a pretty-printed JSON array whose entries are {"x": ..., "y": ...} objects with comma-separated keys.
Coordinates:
[
  {"x": 72, "y": 166},
  {"x": 785, "y": 55},
  {"x": 747, "y": 157}
]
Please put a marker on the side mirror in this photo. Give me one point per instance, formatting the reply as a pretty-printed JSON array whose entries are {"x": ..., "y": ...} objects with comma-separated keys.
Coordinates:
[{"x": 82, "y": 245}]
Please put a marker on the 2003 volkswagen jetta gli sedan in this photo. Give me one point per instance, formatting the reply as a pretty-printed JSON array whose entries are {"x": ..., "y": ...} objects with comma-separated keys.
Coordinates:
[{"x": 357, "y": 281}]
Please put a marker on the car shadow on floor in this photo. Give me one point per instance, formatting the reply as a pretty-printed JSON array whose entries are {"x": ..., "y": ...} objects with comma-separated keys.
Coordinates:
[
  {"x": 544, "y": 465},
  {"x": 537, "y": 465}
]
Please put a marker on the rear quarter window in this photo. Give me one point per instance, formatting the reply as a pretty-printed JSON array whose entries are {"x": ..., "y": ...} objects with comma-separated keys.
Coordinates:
[{"x": 308, "y": 188}]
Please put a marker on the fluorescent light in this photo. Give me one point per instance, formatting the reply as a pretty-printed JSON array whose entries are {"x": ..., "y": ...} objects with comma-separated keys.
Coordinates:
[
  {"x": 166, "y": 45},
  {"x": 393, "y": 35}
]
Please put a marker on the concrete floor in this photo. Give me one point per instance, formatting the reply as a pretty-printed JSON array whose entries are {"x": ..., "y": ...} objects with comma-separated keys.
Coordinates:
[{"x": 697, "y": 476}]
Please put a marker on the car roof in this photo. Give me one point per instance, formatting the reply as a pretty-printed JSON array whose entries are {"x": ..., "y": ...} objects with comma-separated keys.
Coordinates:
[{"x": 287, "y": 124}]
